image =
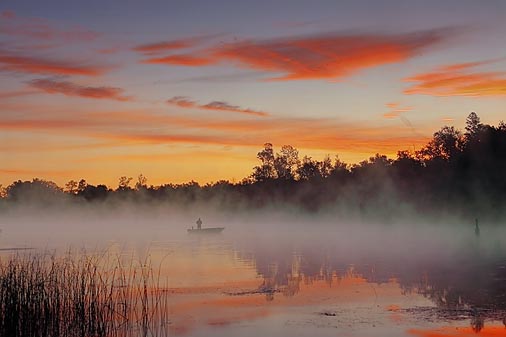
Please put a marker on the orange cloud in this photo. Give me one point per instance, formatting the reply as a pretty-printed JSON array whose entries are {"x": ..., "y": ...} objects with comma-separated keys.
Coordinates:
[
  {"x": 71, "y": 89},
  {"x": 162, "y": 46},
  {"x": 18, "y": 172},
  {"x": 181, "y": 60},
  {"x": 145, "y": 128},
  {"x": 184, "y": 102},
  {"x": 318, "y": 57},
  {"x": 459, "y": 80},
  {"x": 7, "y": 14},
  {"x": 110, "y": 50},
  {"x": 41, "y": 124},
  {"x": 33, "y": 65},
  {"x": 158, "y": 47},
  {"x": 395, "y": 110},
  {"x": 321, "y": 135},
  {"x": 18, "y": 93}
]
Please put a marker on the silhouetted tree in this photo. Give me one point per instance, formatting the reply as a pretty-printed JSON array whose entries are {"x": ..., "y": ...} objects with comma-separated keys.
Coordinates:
[
  {"x": 473, "y": 125},
  {"x": 326, "y": 167},
  {"x": 407, "y": 168},
  {"x": 285, "y": 162},
  {"x": 99, "y": 192},
  {"x": 71, "y": 187},
  {"x": 452, "y": 171},
  {"x": 141, "y": 182},
  {"x": 339, "y": 165},
  {"x": 308, "y": 169},
  {"x": 37, "y": 190},
  {"x": 445, "y": 144},
  {"x": 81, "y": 186},
  {"x": 265, "y": 170},
  {"x": 124, "y": 182}
]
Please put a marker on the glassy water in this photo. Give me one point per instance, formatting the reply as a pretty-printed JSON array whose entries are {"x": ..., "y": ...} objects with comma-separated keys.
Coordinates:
[{"x": 302, "y": 279}]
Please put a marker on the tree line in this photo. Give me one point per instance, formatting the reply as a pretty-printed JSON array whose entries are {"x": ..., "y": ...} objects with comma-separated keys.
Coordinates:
[{"x": 457, "y": 173}]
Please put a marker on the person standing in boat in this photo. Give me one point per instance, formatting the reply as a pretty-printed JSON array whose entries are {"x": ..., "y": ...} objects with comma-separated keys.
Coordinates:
[{"x": 199, "y": 224}]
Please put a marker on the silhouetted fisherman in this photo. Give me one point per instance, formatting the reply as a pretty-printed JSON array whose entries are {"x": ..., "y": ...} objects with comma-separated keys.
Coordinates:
[
  {"x": 199, "y": 224},
  {"x": 476, "y": 228}
]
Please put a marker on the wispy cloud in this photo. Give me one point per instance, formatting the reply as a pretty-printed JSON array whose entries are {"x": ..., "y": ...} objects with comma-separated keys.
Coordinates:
[
  {"x": 42, "y": 124},
  {"x": 325, "y": 56},
  {"x": 17, "y": 93},
  {"x": 110, "y": 50},
  {"x": 72, "y": 89},
  {"x": 461, "y": 79},
  {"x": 185, "y": 102},
  {"x": 42, "y": 29},
  {"x": 181, "y": 60},
  {"x": 24, "y": 172},
  {"x": 396, "y": 109},
  {"x": 26, "y": 42},
  {"x": 145, "y": 128},
  {"x": 150, "y": 49},
  {"x": 7, "y": 14},
  {"x": 163, "y": 46},
  {"x": 37, "y": 65}
]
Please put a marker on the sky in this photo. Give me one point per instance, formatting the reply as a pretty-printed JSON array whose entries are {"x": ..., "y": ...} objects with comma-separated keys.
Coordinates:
[{"x": 191, "y": 90}]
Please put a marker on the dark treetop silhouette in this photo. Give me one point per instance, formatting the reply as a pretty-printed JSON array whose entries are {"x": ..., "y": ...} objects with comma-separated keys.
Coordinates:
[{"x": 456, "y": 173}]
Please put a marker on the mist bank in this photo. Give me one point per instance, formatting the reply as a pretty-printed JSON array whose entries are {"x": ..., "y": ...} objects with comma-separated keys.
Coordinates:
[{"x": 457, "y": 177}]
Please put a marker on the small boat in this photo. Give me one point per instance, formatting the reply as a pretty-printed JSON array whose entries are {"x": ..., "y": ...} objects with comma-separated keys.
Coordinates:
[
  {"x": 210, "y": 230},
  {"x": 200, "y": 230}
]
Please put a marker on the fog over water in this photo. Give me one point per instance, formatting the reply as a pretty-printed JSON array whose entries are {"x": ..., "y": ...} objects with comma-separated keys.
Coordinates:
[{"x": 279, "y": 272}]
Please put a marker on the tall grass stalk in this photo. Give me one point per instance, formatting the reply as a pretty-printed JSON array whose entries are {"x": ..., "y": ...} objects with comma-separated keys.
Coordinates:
[{"x": 80, "y": 295}]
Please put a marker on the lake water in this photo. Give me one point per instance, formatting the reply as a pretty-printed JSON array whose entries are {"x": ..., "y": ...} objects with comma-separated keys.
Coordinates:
[{"x": 282, "y": 278}]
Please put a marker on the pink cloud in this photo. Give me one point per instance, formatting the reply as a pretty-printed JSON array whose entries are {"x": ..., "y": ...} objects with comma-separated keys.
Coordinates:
[
  {"x": 37, "y": 65},
  {"x": 460, "y": 79},
  {"x": 171, "y": 45},
  {"x": 72, "y": 89},
  {"x": 184, "y": 102},
  {"x": 327, "y": 56},
  {"x": 181, "y": 60},
  {"x": 395, "y": 110},
  {"x": 17, "y": 93},
  {"x": 163, "y": 46}
]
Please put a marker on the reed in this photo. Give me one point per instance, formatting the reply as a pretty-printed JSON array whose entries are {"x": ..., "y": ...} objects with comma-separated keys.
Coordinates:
[{"x": 81, "y": 295}]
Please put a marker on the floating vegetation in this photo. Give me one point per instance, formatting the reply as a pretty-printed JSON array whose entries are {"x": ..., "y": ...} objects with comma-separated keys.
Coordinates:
[{"x": 81, "y": 295}]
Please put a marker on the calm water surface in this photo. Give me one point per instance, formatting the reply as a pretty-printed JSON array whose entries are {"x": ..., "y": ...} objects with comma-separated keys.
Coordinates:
[{"x": 302, "y": 280}]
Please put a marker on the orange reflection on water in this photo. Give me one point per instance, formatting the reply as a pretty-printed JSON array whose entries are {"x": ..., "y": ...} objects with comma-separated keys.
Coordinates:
[
  {"x": 191, "y": 308},
  {"x": 489, "y": 331}
]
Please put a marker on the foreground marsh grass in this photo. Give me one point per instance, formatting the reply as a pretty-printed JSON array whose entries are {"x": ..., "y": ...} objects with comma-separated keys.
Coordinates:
[{"x": 80, "y": 295}]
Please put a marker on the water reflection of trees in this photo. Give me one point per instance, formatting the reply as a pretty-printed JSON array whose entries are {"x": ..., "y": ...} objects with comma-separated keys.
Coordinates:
[
  {"x": 474, "y": 288},
  {"x": 464, "y": 285}
]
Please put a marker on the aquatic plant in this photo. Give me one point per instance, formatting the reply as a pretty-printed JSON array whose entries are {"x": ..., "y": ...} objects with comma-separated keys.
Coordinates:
[{"x": 81, "y": 295}]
